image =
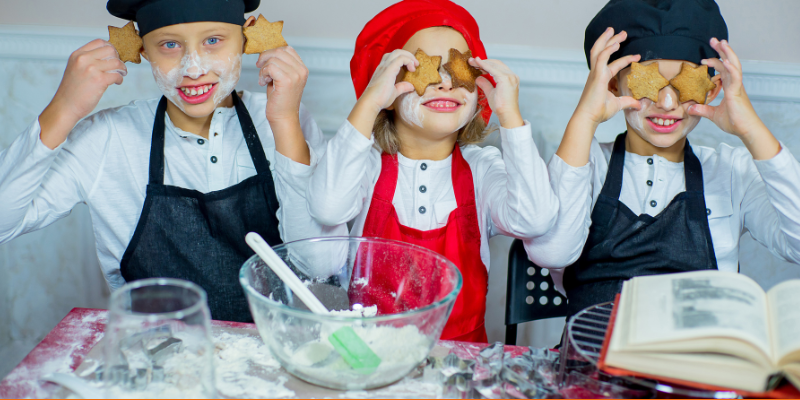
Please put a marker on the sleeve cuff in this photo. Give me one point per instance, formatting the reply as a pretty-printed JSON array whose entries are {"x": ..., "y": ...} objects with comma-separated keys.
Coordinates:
[
  {"x": 567, "y": 173},
  {"x": 777, "y": 165},
  {"x": 517, "y": 135},
  {"x": 39, "y": 151},
  {"x": 292, "y": 173},
  {"x": 353, "y": 138}
]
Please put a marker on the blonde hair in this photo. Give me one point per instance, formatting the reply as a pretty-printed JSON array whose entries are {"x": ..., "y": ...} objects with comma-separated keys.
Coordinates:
[{"x": 386, "y": 132}]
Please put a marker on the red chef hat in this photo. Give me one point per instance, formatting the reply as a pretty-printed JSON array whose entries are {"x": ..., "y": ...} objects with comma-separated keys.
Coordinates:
[{"x": 392, "y": 27}]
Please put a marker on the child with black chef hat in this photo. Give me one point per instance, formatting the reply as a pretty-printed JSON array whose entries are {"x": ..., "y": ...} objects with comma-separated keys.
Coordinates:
[
  {"x": 172, "y": 184},
  {"x": 651, "y": 203}
]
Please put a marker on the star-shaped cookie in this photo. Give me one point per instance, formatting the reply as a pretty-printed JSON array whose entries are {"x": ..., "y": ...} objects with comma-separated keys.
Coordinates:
[
  {"x": 426, "y": 74},
  {"x": 263, "y": 36},
  {"x": 127, "y": 42},
  {"x": 462, "y": 74},
  {"x": 646, "y": 81},
  {"x": 692, "y": 83}
]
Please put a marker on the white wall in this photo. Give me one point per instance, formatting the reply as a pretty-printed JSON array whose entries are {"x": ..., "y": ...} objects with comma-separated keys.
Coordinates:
[
  {"x": 759, "y": 30},
  {"x": 46, "y": 273}
]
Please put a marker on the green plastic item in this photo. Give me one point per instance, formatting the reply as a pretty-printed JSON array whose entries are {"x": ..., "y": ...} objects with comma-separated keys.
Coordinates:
[{"x": 354, "y": 350}]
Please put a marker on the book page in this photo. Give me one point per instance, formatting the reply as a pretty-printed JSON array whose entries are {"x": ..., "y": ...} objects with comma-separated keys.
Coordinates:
[
  {"x": 701, "y": 304},
  {"x": 784, "y": 304}
]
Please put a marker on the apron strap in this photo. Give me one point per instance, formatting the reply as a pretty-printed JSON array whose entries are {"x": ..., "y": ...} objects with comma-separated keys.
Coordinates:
[
  {"x": 380, "y": 208},
  {"x": 613, "y": 185},
  {"x": 248, "y": 129},
  {"x": 250, "y": 135},
  {"x": 157, "y": 145},
  {"x": 464, "y": 189},
  {"x": 692, "y": 170},
  {"x": 693, "y": 174}
]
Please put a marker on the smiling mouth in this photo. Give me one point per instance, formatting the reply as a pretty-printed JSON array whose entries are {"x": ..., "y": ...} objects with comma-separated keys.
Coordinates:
[
  {"x": 196, "y": 90},
  {"x": 442, "y": 104},
  {"x": 664, "y": 122}
]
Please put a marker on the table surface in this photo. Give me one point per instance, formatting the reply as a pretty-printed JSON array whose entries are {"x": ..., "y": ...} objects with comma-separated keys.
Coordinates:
[{"x": 70, "y": 343}]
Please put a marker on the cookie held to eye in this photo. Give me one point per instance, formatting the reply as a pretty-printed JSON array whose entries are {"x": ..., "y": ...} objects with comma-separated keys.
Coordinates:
[
  {"x": 462, "y": 74},
  {"x": 263, "y": 36},
  {"x": 127, "y": 42},
  {"x": 426, "y": 74},
  {"x": 693, "y": 83},
  {"x": 646, "y": 81}
]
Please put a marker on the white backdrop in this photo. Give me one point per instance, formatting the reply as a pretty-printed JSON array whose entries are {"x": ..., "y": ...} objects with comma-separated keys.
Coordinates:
[{"x": 45, "y": 274}]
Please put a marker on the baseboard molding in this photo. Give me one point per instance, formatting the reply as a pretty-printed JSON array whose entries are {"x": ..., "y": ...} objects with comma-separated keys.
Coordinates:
[{"x": 543, "y": 67}]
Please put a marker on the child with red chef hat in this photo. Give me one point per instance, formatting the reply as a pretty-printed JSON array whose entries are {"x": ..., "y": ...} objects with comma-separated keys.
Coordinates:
[{"x": 406, "y": 166}]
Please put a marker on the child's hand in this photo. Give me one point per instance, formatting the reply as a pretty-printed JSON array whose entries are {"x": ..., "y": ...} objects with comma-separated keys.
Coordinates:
[
  {"x": 735, "y": 114},
  {"x": 503, "y": 98},
  {"x": 90, "y": 71},
  {"x": 597, "y": 103},
  {"x": 283, "y": 72},
  {"x": 285, "y": 76},
  {"x": 382, "y": 90}
]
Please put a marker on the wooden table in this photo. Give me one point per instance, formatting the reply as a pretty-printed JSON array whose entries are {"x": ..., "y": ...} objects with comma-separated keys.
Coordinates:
[{"x": 70, "y": 343}]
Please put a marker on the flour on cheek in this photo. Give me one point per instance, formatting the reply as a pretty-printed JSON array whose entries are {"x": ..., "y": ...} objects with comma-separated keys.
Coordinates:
[
  {"x": 411, "y": 109},
  {"x": 636, "y": 118}
]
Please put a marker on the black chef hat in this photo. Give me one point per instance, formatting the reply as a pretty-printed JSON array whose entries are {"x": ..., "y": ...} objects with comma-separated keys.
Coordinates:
[
  {"x": 153, "y": 14},
  {"x": 660, "y": 29}
]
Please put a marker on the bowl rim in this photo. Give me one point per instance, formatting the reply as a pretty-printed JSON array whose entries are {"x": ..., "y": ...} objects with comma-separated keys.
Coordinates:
[{"x": 305, "y": 313}]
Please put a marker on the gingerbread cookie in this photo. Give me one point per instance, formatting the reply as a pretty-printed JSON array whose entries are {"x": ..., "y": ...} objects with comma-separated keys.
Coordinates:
[
  {"x": 426, "y": 74},
  {"x": 462, "y": 74},
  {"x": 692, "y": 83},
  {"x": 646, "y": 81},
  {"x": 127, "y": 42},
  {"x": 263, "y": 36}
]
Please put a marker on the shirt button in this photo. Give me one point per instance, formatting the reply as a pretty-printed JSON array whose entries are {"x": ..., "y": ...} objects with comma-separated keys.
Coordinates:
[
  {"x": 423, "y": 166},
  {"x": 201, "y": 141},
  {"x": 653, "y": 203},
  {"x": 649, "y": 183},
  {"x": 422, "y": 210},
  {"x": 650, "y": 161},
  {"x": 214, "y": 159},
  {"x": 423, "y": 189},
  {"x": 708, "y": 211}
]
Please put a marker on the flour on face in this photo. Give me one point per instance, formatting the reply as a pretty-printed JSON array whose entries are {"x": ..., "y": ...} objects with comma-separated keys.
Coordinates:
[
  {"x": 195, "y": 66},
  {"x": 411, "y": 109}
]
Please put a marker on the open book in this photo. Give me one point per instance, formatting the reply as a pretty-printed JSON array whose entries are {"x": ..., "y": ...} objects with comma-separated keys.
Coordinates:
[{"x": 717, "y": 329}]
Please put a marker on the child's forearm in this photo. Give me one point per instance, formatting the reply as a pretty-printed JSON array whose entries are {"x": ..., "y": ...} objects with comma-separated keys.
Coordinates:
[
  {"x": 577, "y": 141},
  {"x": 56, "y": 123},
  {"x": 363, "y": 118},
  {"x": 760, "y": 142},
  {"x": 289, "y": 140}
]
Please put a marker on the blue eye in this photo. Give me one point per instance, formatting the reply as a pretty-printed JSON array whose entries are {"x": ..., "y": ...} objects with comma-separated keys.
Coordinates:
[
  {"x": 212, "y": 41},
  {"x": 170, "y": 45}
]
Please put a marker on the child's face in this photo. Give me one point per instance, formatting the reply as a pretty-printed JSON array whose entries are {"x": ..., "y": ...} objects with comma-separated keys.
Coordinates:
[
  {"x": 442, "y": 110},
  {"x": 666, "y": 122},
  {"x": 196, "y": 65}
]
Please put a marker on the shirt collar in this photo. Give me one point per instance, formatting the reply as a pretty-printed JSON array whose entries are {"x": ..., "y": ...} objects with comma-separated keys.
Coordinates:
[
  {"x": 407, "y": 162},
  {"x": 220, "y": 112}
]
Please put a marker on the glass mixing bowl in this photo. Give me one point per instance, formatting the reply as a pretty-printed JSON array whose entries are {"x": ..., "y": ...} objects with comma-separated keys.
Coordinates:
[{"x": 412, "y": 288}]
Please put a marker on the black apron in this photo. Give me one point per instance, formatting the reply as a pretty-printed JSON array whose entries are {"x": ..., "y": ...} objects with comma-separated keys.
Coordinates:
[
  {"x": 622, "y": 245},
  {"x": 199, "y": 237}
]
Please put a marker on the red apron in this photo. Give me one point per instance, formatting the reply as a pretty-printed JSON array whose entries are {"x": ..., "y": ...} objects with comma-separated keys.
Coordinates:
[{"x": 459, "y": 241}]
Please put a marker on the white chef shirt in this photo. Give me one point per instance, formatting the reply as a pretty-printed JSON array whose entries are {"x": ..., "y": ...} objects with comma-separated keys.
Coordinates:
[
  {"x": 512, "y": 190},
  {"x": 104, "y": 163},
  {"x": 741, "y": 194}
]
